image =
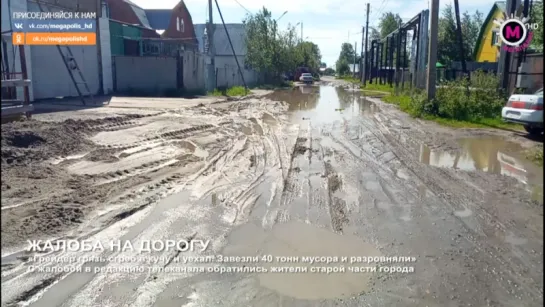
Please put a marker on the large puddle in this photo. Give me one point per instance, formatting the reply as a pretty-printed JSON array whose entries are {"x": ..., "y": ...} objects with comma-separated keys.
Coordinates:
[
  {"x": 324, "y": 104},
  {"x": 297, "y": 239},
  {"x": 491, "y": 155}
]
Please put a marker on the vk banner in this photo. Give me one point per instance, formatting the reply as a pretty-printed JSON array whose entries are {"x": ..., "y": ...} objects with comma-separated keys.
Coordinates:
[{"x": 55, "y": 25}]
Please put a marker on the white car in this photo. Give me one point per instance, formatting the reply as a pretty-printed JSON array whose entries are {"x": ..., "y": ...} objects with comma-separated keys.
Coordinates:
[
  {"x": 306, "y": 78},
  {"x": 526, "y": 110}
]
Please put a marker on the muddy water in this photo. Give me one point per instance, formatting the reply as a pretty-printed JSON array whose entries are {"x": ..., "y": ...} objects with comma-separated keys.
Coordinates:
[
  {"x": 298, "y": 239},
  {"x": 492, "y": 155},
  {"x": 324, "y": 104}
]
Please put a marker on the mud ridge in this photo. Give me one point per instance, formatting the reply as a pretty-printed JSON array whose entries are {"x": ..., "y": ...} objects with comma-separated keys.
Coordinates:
[{"x": 176, "y": 134}]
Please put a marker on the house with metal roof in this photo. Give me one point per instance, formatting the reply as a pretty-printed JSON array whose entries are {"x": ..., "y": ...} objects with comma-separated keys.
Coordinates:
[
  {"x": 486, "y": 49},
  {"x": 136, "y": 31}
]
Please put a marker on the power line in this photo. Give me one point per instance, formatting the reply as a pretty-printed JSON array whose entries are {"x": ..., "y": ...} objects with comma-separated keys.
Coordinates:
[
  {"x": 377, "y": 13},
  {"x": 242, "y": 6}
]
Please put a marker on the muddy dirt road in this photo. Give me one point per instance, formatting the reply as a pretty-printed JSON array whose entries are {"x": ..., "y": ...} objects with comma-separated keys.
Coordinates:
[{"x": 317, "y": 172}]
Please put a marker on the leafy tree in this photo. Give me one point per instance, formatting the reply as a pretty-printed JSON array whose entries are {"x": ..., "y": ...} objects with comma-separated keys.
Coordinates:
[
  {"x": 329, "y": 71},
  {"x": 342, "y": 67},
  {"x": 310, "y": 56},
  {"x": 447, "y": 50},
  {"x": 374, "y": 34},
  {"x": 448, "y": 47},
  {"x": 273, "y": 52},
  {"x": 260, "y": 43},
  {"x": 388, "y": 23},
  {"x": 346, "y": 58},
  {"x": 471, "y": 26},
  {"x": 536, "y": 15}
]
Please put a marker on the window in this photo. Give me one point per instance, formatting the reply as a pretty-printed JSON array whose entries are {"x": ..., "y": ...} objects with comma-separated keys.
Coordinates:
[
  {"x": 494, "y": 40},
  {"x": 177, "y": 24},
  {"x": 182, "y": 26}
]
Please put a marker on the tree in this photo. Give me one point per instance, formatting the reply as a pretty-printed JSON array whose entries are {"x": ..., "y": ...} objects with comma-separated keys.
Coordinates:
[
  {"x": 388, "y": 23},
  {"x": 374, "y": 34},
  {"x": 346, "y": 57},
  {"x": 310, "y": 56},
  {"x": 448, "y": 47},
  {"x": 272, "y": 52},
  {"x": 536, "y": 15},
  {"x": 329, "y": 71},
  {"x": 342, "y": 67},
  {"x": 471, "y": 26},
  {"x": 260, "y": 43}
]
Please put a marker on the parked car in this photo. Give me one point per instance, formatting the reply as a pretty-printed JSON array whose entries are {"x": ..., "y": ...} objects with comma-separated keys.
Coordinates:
[
  {"x": 306, "y": 78},
  {"x": 299, "y": 71},
  {"x": 526, "y": 110}
]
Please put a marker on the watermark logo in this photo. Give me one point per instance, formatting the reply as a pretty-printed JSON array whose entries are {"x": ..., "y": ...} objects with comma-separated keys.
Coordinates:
[{"x": 514, "y": 32}]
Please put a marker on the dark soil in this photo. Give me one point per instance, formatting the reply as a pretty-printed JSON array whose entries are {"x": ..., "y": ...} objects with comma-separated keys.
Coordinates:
[{"x": 33, "y": 141}]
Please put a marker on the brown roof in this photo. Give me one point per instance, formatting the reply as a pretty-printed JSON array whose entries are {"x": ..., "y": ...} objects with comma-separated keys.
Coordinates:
[
  {"x": 72, "y": 5},
  {"x": 120, "y": 10}
]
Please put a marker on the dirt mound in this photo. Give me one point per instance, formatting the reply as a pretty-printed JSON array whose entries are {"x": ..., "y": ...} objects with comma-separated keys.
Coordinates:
[{"x": 31, "y": 141}]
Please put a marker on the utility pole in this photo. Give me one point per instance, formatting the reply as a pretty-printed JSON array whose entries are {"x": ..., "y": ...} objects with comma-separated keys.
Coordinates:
[
  {"x": 432, "y": 54},
  {"x": 99, "y": 49},
  {"x": 211, "y": 48},
  {"x": 355, "y": 54},
  {"x": 364, "y": 78},
  {"x": 362, "y": 63},
  {"x": 302, "y": 37},
  {"x": 460, "y": 38},
  {"x": 505, "y": 57}
]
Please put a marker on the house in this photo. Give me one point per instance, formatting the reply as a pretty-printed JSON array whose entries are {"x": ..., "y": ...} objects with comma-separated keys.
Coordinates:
[
  {"x": 158, "y": 43},
  {"x": 127, "y": 13},
  {"x": 180, "y": 25},
  {"x": 136, "y": 31},
  {"x": 486, "y": 49},
  {"x": 45, "y": 65},
  {"x": 227, "y": 74}
]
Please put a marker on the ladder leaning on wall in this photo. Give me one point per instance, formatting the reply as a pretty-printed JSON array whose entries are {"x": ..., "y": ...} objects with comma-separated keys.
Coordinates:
[{"x": 71, "y": 64}]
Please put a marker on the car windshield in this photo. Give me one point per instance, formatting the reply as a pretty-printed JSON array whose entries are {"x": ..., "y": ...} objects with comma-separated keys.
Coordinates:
[
  {"x": 306, "y": 75},
  {"x": 539, "y": 92}
]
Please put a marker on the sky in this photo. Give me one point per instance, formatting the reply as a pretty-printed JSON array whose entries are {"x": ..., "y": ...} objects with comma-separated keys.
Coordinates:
[{"x": 327, "y": 23}]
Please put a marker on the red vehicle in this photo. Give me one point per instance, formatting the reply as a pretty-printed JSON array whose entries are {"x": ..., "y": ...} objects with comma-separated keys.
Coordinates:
[{"x": 299, "y": 71}]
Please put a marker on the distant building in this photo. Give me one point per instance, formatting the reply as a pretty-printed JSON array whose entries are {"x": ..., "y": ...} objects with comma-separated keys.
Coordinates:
[
  {"x": 486, "y": 49},
  {"x": 226, "y": 63}
]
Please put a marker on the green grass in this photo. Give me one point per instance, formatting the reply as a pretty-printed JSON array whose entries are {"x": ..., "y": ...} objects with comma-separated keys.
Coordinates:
[
  {"x": 284, "y": 84},
  {"x": 377, "y": 87},
  {"x": 404, "y": 104},
  {"x": 231, "y": 92}
]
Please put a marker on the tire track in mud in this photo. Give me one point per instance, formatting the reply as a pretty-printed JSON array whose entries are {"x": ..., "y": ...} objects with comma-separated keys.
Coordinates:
[
  {"x": 176, "y": 134},
  {"x": 141, "y": 197},
  {"x": 114, "y": 123},
  {"x": 439, "y": 182},
  {"x": 290, "y": 184}
]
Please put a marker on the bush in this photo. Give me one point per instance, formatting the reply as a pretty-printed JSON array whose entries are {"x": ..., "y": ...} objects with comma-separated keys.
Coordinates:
[
  {"x": 462, "y": 99},
  {"x": 471, "y": 99}
]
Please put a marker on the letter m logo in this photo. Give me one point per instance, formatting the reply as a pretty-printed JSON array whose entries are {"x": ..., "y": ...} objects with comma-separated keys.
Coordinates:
[
  {"x": 512, "y": 32},
  {"x": 18, "y": 25}
]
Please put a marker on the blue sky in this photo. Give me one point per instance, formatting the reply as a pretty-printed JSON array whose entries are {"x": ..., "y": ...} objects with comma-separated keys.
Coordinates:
[{"x": 327, "y": 23}]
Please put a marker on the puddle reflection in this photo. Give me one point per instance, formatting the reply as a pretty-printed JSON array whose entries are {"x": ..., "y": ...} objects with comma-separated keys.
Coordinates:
[
  {"x": 488, "y": 155},
  {"x": 324, "y": 104}
]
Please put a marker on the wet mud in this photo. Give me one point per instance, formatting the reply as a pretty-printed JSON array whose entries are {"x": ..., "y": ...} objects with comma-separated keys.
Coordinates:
[{"x": 315, "y": 171}]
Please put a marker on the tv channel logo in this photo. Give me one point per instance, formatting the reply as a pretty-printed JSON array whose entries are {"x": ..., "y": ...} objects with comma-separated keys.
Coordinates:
[{"x": 514, "y": 32}]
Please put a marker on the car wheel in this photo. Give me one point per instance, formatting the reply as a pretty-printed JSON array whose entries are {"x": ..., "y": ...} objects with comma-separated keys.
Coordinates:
[{"x": 533, "y": 130}]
